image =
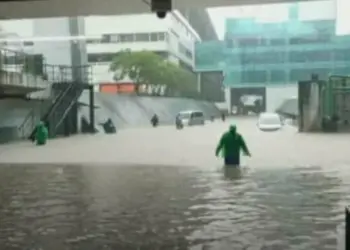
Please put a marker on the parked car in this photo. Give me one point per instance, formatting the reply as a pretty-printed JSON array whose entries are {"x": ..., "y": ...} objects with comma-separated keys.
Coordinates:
[{"x": 269, "y": 122}]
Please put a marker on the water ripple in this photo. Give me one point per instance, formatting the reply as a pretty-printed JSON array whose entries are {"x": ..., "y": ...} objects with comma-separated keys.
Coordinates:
[{"x": 154, "y": 207}]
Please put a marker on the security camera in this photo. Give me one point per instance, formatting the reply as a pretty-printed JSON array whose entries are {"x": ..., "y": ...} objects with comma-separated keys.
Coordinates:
[
  {"x": 161, "y": 7},
  {"x": 161, "y": 14}
]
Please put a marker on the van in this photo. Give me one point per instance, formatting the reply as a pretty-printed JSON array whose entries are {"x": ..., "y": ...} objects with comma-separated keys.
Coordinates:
[{"x": 190, "y": 118}]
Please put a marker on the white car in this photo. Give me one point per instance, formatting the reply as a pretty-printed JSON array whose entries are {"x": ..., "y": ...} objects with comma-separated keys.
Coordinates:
[{"x": 269, "y": 122}]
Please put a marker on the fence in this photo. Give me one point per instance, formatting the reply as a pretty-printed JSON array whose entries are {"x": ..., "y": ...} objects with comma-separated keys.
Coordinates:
[{"x": 19, "y": 68}]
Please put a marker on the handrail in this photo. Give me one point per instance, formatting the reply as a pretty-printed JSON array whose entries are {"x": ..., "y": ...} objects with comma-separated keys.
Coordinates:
[
  {"x": 50, "y": 109},
  {"x": 58, "y": 100},
  {"x": 69, "y": 105},
  {"x": 29, "y": 117}
]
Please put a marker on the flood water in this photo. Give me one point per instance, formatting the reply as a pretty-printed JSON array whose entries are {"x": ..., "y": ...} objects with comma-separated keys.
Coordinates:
[{"x": 267, "y": 205}]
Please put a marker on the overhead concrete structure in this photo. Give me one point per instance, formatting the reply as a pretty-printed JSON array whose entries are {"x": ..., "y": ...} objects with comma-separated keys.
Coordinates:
[{"x": 55, "y": 8}]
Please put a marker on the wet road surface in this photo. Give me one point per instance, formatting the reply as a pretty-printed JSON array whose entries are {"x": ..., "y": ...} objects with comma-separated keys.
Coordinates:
[{"x": 164, "y": 189}]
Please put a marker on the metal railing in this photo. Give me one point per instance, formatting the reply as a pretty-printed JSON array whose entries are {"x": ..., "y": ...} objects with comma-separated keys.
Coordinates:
[
  {"x": 19, "y": 68},
  {"x": 62, "y": 80}
]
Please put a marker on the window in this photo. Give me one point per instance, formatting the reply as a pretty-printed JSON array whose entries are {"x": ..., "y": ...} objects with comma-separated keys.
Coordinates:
[
  {"x": 106, "y": 39},
  {"x": 342, "y": 55},
  {"x": 28, "y": 43},
  {"x": 311, "y": 39},
  {"x": 126, "y": 38},
  {"x": 93, "y": 41},
  {"x": 270, "y": 57},
  {"x": 305, "y": 74},
  {"x": 310, "y": 56},
  {"x": 341, "y": 71},
  {"x": 254, "y": 76},
  {"x": 277, "y": 42},
  {"x": 142, "y": 37},
  {"x": 197, "y": 114},
  {"x": 13, "y": 60},
  {"x": 278, "y": 76},
  {"x": 114, "y": 38},
  {"x": 262, "y": 58},
  {"x": 154, "y": 37},
  {"x": 101, "y": 57},
  {"x": 161, "y": 36},
  {"x": 248, "y": 42}
]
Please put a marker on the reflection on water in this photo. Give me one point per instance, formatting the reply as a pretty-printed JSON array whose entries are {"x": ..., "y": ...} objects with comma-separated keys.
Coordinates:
[{"x": 102, "y": 207}]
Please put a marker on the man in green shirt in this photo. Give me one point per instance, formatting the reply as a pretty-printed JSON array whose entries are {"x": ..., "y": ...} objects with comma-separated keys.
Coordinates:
[{"x": 231, "y": 144}]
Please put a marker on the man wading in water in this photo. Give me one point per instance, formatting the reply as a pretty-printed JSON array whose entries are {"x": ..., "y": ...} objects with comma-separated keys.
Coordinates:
[{"x": 231, "y": 144}]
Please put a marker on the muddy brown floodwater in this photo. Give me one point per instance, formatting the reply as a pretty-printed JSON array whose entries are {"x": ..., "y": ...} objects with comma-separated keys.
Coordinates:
[{"x": 160, "y": 188}]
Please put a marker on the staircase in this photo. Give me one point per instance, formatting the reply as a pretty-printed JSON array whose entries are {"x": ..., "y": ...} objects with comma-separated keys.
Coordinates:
[
  {"x": 59, "y": 110},
  {"x": 65, "y": 94}
]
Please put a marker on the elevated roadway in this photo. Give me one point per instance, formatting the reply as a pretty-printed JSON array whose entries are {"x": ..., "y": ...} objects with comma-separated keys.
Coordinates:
[{"x": 54, "y": 8}]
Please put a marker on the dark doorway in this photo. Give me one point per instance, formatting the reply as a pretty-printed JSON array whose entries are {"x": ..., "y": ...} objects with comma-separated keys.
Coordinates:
[{"x": 250, "y": 100}]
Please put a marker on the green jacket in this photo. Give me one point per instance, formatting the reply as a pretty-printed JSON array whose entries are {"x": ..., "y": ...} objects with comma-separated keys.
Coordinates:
[
  {"x": 231, "y": 143},
  {"x": 41, "y": 134}
]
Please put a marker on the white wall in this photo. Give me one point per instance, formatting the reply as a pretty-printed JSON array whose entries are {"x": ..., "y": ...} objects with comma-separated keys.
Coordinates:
[
  {"x": 275, "y": 95},
  {"x": 96, "y": 25},
  {"x": 55, "y": 52}
]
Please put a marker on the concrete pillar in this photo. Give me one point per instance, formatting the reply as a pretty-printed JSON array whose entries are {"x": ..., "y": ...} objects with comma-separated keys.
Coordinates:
[
  {"x": 228, "y": 99},
  {"x": 199, "y": 83},
  {"x": 92, "y": 108}
]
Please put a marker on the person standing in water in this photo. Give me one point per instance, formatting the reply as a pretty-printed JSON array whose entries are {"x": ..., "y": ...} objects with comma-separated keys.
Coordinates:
[
  {"x": 231, "y": 144},
  {"x": 41, "y": 134}
]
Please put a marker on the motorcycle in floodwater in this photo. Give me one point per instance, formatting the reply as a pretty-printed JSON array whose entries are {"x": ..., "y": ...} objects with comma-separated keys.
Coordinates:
[
  {"x": 179, "y": 124},
  {"x": 154, "y": 121}
]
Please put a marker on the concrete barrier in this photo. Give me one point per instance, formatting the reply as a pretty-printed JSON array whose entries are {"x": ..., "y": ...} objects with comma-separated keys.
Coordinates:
[
  {"x": 131, "y": 111},
  {"x": 124, "y": 111}
]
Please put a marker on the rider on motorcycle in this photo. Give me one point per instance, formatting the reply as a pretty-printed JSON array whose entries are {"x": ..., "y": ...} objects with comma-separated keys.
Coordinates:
[{"x": 154, "y": 120}]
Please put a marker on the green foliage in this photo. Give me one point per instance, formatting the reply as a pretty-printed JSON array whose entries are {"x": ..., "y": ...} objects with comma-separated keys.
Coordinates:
[{"x": 148, "y": 68}]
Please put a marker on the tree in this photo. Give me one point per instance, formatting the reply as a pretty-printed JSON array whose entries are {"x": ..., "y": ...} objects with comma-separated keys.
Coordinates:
[
  {"x": 147, "y": 68},
  {"x": 141, "y": 67}
]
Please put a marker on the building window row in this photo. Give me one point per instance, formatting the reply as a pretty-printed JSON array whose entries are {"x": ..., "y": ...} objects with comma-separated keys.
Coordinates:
[
  {"x": 261, "y": 42},
  {"x": 129, "y": 38},
  {"x": 290, "y": 57},
  {"x": 283, "y": 76},
  {"x": 108, "y": 57}
]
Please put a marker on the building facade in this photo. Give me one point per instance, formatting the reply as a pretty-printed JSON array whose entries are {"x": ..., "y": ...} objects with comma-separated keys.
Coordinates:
[
  {"x": 173, "y": 38},
  {"x": 270, "y": 57},
  {"x": 210, "y": 82}
]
